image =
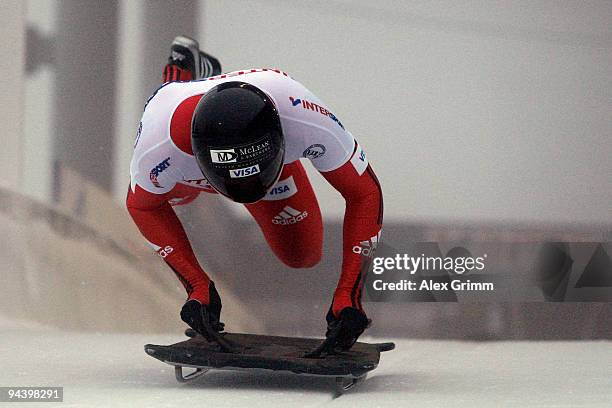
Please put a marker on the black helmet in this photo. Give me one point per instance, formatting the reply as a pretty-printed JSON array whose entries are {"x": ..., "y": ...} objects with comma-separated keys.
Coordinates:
[{"x": 237, "y": 140}]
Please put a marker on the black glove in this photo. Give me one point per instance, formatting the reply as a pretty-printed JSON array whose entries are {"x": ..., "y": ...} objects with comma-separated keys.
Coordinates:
[
  {"x": 204, "y": 318},
  {"x": 343, "y": 331}
]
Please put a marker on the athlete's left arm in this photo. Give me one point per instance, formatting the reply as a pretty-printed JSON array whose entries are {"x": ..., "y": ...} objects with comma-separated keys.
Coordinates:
[
  {"x": 363, "y": 218},
  {"x": 317, "y": 134}
]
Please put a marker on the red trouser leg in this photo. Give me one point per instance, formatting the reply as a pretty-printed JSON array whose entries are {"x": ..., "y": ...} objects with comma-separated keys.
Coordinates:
[{"x": 292, "y": 224}]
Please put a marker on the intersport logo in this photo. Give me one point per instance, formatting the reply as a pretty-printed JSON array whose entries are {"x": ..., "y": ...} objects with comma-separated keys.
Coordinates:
[
  {"x": 157, "y": 170},
  {"x": 308, "y": 105},
  {"x": 289, "y": 216}
]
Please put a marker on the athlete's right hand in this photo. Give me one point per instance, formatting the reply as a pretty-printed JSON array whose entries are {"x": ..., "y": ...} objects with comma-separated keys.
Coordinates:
[
  {"x": 196, "y": 315},
  {"x": 201, "y": 317}
]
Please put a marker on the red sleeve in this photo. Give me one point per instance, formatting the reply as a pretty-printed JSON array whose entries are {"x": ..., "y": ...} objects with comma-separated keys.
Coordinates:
[
  {"x": 361, "y": 230},
  {"x": 159, "y": 224}
]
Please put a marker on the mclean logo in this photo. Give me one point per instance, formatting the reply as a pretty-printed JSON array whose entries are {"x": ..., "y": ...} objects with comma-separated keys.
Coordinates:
[
  {"x": 223, "y": 156},
  {"x": 366, "y": 248},
  {"x": 289, "y": 216},
  {"x": 244, "y": 172},
  {"x": 254, "y": 150},
  {"x": 241, "y": 154}
]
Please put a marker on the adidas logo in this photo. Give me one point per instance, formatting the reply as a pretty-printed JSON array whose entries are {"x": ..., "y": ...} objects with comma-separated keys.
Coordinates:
[
  {"x": 289, "y": 216},
  {"x": 366, "y": 248},
  {"x": 177, "y": 56}
]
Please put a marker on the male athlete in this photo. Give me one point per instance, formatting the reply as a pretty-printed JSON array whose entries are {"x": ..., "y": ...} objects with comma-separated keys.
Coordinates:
[{"x": 242, "y": 135}]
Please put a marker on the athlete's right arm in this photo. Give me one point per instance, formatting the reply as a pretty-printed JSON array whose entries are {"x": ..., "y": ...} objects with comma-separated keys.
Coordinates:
[{"x": 160, "y": 226}]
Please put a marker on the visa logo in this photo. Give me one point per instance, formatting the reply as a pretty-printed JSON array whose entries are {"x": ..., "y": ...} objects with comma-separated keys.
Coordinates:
[
  {"x": 282, "y": 190},
  {"x": 245, "y": 171},
  {"x": 279, "y": 190}
]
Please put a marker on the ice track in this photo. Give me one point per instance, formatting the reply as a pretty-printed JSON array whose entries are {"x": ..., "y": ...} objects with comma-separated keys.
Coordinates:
[{"x": 104, "y": 370}]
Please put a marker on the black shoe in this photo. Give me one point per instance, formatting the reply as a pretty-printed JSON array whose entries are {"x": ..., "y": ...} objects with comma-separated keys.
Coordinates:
[{"x": 185, "y": 53}]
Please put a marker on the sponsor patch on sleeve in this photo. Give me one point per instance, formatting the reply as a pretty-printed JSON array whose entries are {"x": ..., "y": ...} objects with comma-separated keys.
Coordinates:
[
  {"x": 157, "y": 171},
  {"x": 314, "y": 151},
  {"x": 282, "y": 190},
  {"x": 359, "y": 160}
]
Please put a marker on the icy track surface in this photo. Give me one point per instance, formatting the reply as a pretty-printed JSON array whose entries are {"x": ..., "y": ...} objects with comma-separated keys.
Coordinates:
[{"x": 104, "y": 370}]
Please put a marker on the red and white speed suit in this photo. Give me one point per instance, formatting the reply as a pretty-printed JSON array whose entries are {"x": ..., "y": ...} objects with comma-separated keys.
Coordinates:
[{"x": 164, "y": 173}]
